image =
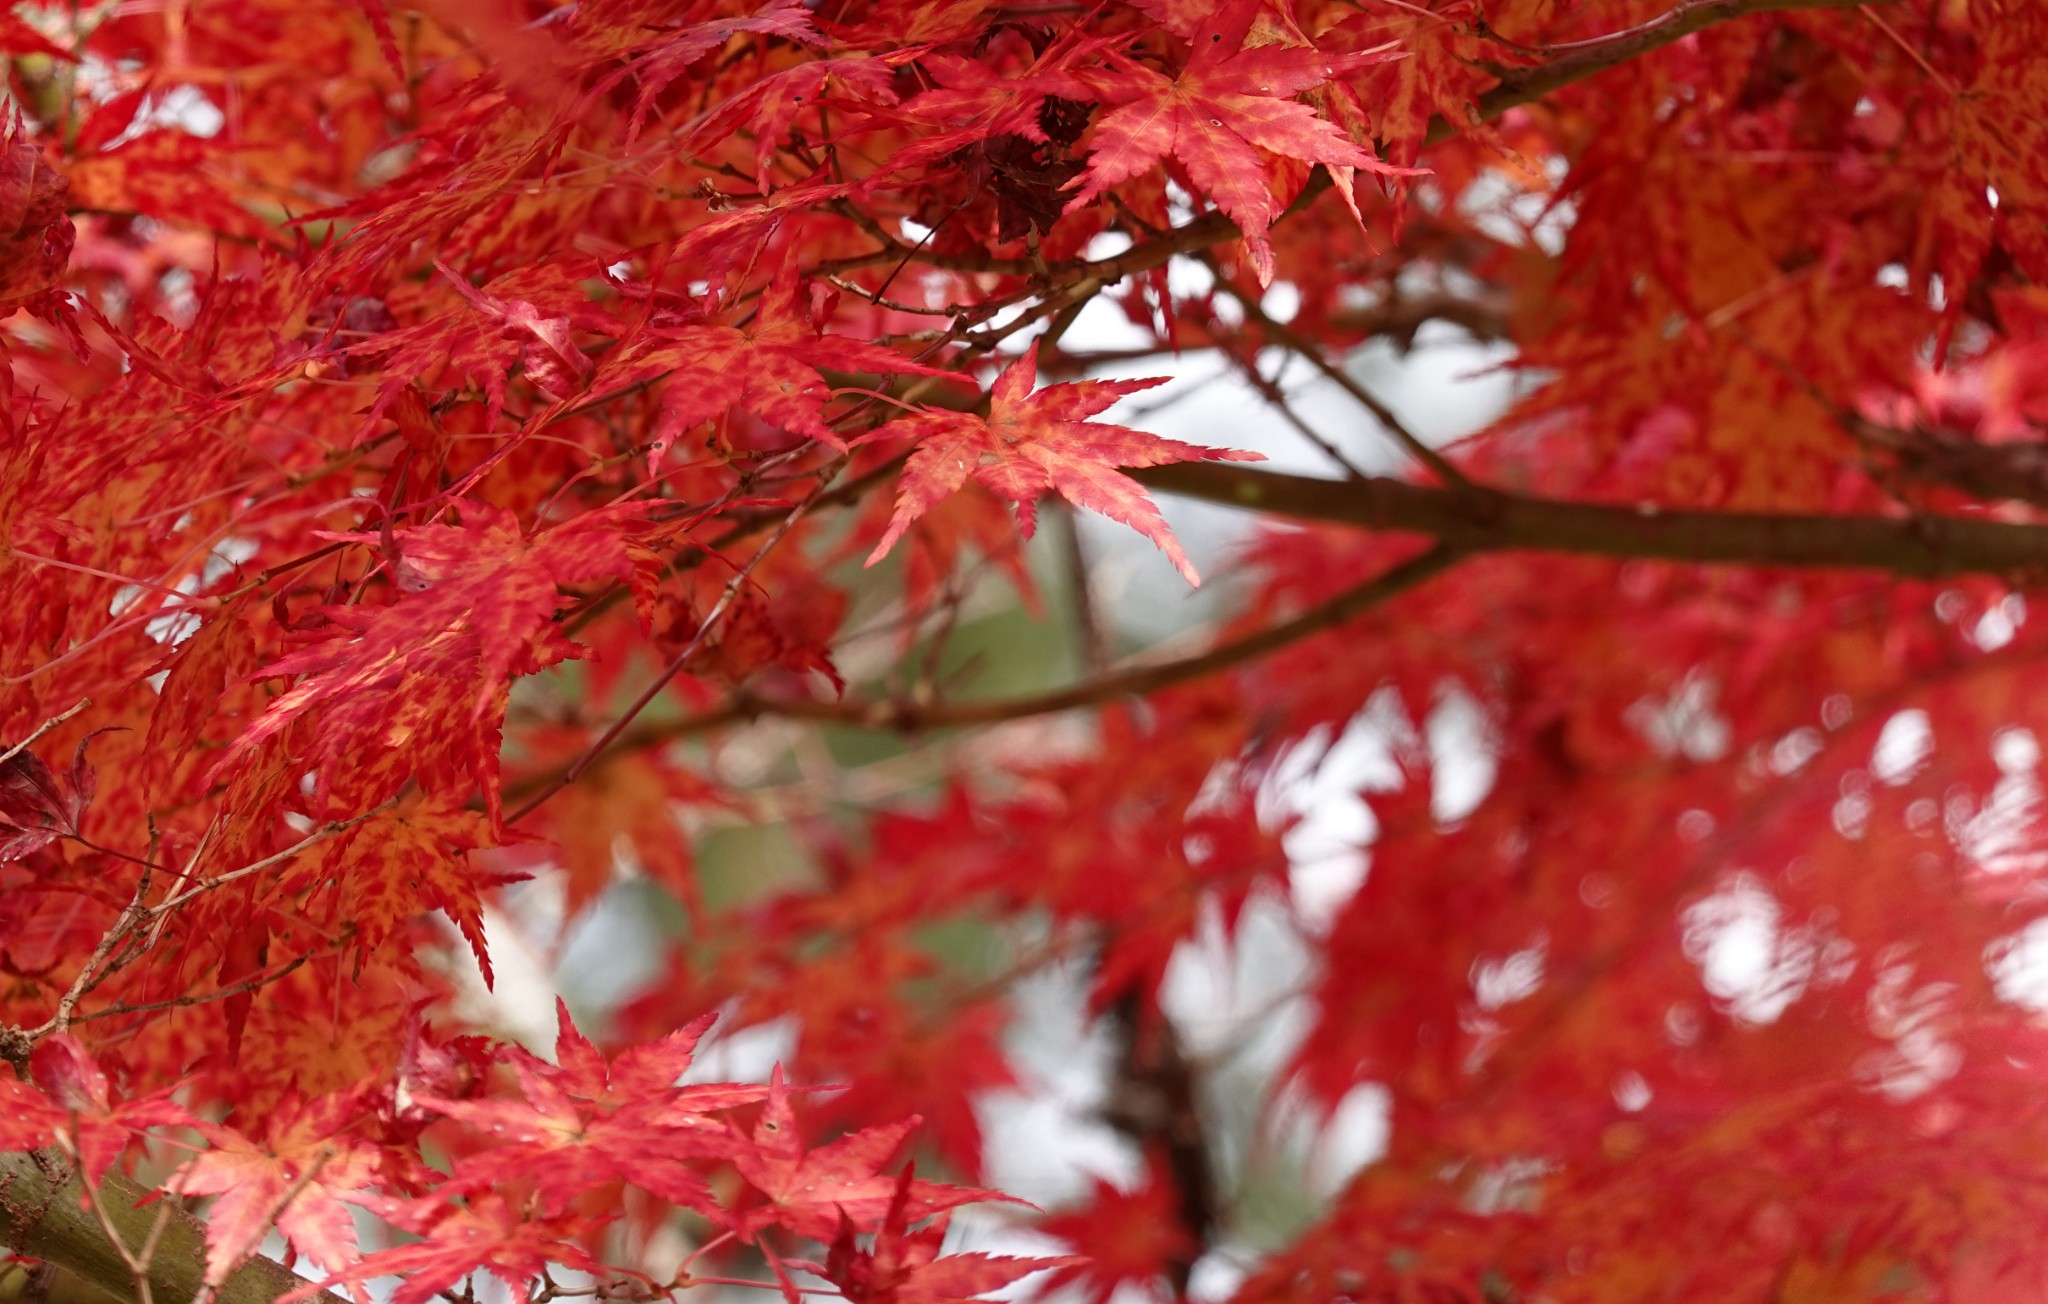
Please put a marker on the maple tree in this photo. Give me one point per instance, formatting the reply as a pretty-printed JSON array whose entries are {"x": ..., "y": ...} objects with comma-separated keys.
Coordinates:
[{"x": 458, "y": 444}]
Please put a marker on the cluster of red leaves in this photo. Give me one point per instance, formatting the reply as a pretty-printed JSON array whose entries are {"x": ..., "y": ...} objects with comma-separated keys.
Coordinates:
[
  {"x": 425, "y": 423},
  {"x": 534, "y": 1180}
]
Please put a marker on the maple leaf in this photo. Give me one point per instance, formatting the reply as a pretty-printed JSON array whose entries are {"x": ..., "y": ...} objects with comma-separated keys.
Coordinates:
[
  {"x": 585, "y": 1124},
  {"x": 68, "y": 1102},
  {"x": 638, "y": 1074},
  {"x": 911, "y": 22},
  {"x": 201, "y": 668},
  {"x": 478, "y": 612},
  {"x": 637, "y": 795},
  {"x": 1706, "y": 242},
  {"x": 1228, "y": 102},
  {"x": 766, "y": 109},
  {"x": 484, "y": 1233},
  {"x": 294, "y": 1179},
  {"x": 37, "y": 806},
  {"x": 386, "y": 869},
  {"x": 1031, "y": 442},
  {"x": 526, "y": 319},
  {"x": 906, "y": 1267},
  {"x": 815, "y": 1192},
  {"x": 1123, "y": 1238},
  {"x": 968, "y": 106},
  {"x": 769, "y": 368},
  {"x": 677, "y": 46},
  {"x": 35, "y": 233},
  {"x": 548, "y": 352}
]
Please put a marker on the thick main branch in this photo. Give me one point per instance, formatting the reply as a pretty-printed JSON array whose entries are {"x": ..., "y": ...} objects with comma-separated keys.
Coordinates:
[
  {"x": 1921, "y": 546},
  {"x": 44, "y": 1215}
]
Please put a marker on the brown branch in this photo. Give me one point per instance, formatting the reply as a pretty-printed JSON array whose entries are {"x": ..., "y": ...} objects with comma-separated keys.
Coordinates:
[
  {"x": 44, "y": 728},
  {"x": 1154, "y": 1100},
  {"x": 1131, "y": 681},
  {"x": 1312, "y": 353},
  {"x": 1518, "y": 86},
  {"x": 1921, "y": 546},
  {"x": 1583, "y": 59},
  {"x": 43, "y": 1215},
  {"x": 733, "y": 588},
  {"x": 1484, "y": 318}
]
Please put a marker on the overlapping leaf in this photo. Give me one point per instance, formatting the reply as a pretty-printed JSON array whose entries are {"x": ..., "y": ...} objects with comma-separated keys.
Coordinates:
[
  {"x": 1031, "y": 442},
  {"x": 294, "y": 1180},
  {"x": 475, "y": 611},
  {"x": 1227, "y": 103}
]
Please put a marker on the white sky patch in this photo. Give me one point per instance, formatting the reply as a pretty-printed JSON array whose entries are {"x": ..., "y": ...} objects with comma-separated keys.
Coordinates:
[
  {"x": 1512, "y": 213},
  {"x": 1910, "y": 1015},
  {"x": 2004, "y": 836},
  {"x": 2000, "y": 623},
  {"x": 1045, "y": 1140},
  {"x": 1903, "y": 746},
  {"x": 183, "y": 108},
  {"x": 1501, "y": 982},
  {"x": 1791, "y": 753},
  {"x": 1851, "y": 814},
  {"x": 1324, "y": 783},
  {"x": 520, "y": 1003},
  {"x": 1226, "y": 993},
  {"x": 1749, "y": 961},
  {"x": 1215, "y": 1277},
  {"x": 1632, "y": 1093},
  {"x": 613, "y": 948},
  {"x": 1282, "y": 301},
  {"x": 1685, "y": 723},
  {"x": 1338, "y": 1142},
  {"x": 2018, "y": 965},
  {"x": 1463, "y": 755}
]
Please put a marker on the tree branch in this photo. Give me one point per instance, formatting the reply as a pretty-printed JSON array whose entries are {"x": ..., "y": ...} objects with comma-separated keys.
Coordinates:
[
  {"x": 1581, "y": 59},
  {"x": 43, "y": 1215},
  {"x": 1130, "y": 681},
  {"x": 1518, "y": 86},
  {"x": 1490, "y": 521}
]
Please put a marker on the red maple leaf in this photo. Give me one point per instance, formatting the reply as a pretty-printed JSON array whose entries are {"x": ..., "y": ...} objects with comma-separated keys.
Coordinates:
[
  {"x": 586, "y": 1123},
  {"x": 1124, "y": 1238},
  {"x": 1226, "y": 104},
  {"x": 477, "y": 609},
  {"x": 766, "y": 109},
  {"x": 769, "y": 367},
  {"x": 547, "y": 350},
  {"x": 484, "y": 1233},
  {"x": 37, "y": 806},
  {"x": 905, "y": 1267},
  {"x": 1029, "y": 443},
  {"x": 35, "y": 234},
  {"x": 526, "y": 318},
  {"x": 673, "y": 48},
  {"x": 816, "y": 1192},
  {"x": 68, "y": 1102},
  {"x": 390, "y": 869},
  {"x": 294, "y": 1179}
]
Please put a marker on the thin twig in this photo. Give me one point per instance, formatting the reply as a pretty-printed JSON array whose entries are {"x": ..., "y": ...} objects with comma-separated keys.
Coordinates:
[
  {"x": 675, "y": 666},
  {"x": 1289, "y": 339},
  {"x": 42, "y": 729},
  {"x": 1130, "y": 681}
]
